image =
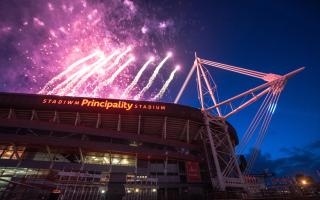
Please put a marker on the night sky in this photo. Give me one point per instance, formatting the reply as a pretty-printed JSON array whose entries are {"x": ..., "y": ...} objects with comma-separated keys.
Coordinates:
[{"x": 267, "y": 36}]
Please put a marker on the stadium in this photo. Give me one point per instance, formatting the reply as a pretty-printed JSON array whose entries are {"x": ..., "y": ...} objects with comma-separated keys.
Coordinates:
[{"x": 63, "y": 147}]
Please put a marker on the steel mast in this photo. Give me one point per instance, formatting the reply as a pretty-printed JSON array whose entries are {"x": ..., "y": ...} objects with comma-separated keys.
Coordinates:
[{"x": 222, "y": 162}]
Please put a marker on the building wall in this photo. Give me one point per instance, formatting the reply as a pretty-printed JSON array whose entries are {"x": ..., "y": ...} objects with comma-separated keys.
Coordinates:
[{"x": 74, "y": 144}]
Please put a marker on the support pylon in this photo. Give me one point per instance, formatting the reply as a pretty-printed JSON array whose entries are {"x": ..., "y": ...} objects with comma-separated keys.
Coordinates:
[{"x": 222, "y": 162}]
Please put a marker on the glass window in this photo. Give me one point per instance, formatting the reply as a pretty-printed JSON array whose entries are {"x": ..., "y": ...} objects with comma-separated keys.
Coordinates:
[
  {"x": 7, "y": 154},
  {"x": 107, "y": 159},
  {"x": 41, "y": 156}
]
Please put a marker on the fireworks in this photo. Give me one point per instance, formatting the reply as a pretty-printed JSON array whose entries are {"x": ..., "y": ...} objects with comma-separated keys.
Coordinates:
[
  {"x": 68, "y": 70},
  {"x": 46, "y": 39},
  {"x": 100, "y": 77},
  {"x": 72, "y": 79},
  {"x": 166, "y": 85},
  {"x": 93, "y": 74},
  {"x": 113, "y": 77},
  {"x": 136, "y": 78},
  {"x": 153, "y": 77},
  {"x": 96, "y": 69}
]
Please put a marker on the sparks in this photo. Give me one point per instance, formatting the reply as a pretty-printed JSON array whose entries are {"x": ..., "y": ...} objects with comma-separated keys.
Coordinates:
[
  {"x": 93, "y": 71},
  {"x": 114, "y": 76},
  {"x": 71, "y": 80},
  {"x": 153, "y": 77},
  {"x": 67, "y": 71},
  {"x": 166, "y": 85},
  {"x": 55, "y": 41},
  {"x": 136, "y": 78},
  {"x": 97, "y": 83}
]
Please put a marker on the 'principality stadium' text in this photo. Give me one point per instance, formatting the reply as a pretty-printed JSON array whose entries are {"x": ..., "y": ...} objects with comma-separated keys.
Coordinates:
[{"x": 107, "y": 104}]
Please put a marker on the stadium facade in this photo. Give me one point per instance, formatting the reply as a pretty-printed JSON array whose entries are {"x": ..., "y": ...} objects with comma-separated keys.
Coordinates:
[{"x": 89, "y": 148}]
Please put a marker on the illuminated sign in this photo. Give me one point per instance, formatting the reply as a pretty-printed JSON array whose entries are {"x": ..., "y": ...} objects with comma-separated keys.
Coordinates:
[
  {"x": 193, "y": 171},
  {"x": 106, "y": 104}
]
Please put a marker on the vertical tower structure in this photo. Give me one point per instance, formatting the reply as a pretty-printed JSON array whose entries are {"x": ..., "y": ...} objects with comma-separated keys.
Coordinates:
[{"x": 220, "y": 150}]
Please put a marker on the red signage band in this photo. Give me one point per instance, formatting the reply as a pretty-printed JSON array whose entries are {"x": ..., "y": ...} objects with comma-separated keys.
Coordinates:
[{"x": 193, "y": 171}]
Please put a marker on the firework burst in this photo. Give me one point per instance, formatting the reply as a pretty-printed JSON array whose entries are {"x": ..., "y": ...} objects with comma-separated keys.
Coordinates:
[
  {"x": 78, "y": 76},
  {"x": 69, "y": 47}
]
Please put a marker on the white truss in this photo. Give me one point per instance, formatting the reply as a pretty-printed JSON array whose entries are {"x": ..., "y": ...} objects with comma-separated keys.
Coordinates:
[{"x": 222, "y": 161}]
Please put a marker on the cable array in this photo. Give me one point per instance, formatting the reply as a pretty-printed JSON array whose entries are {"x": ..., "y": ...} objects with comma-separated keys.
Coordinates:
[{"x": 270, "y": 91}]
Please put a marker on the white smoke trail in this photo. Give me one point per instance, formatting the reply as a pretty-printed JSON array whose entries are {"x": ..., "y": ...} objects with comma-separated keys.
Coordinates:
[
  {"x": 63, "y": 87},
  {"x": 114, "y": 75},
  {"x": 83, "y": 79},
  {"x": 119, "y": 58},
  {"x": 136, "y": 78},
  {"x": 153, "y": 77},
  {"x": 99, "y": 80},
  {"x": 57, "y": 78},
  {"x": 165, "y": 85}
]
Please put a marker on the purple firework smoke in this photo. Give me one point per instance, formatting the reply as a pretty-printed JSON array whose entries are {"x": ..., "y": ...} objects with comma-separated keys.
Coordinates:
[{"x": 40, "y": 39}]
